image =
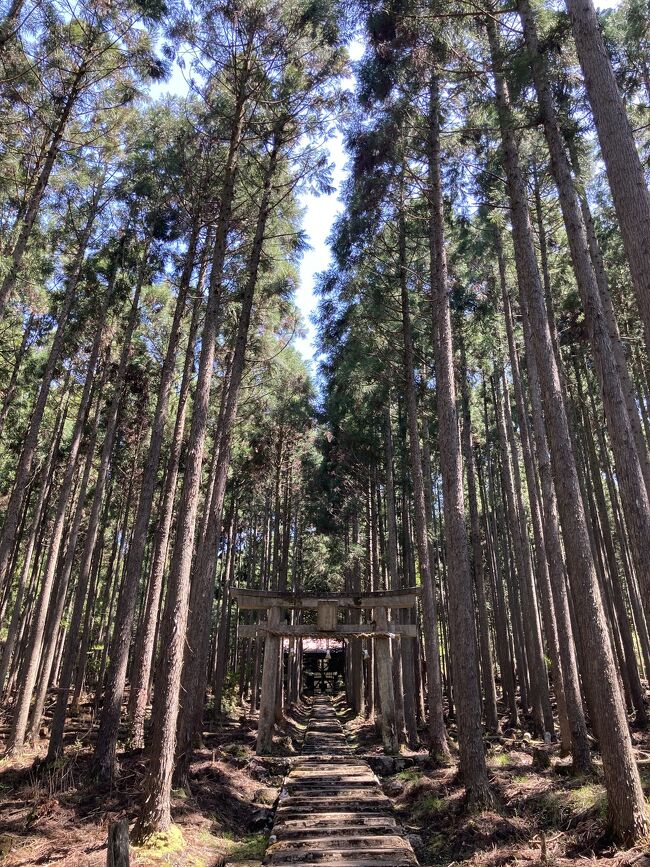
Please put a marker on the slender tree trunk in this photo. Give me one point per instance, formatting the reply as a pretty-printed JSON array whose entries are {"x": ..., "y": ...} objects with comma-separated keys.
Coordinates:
[
  {"x": 195, "y": 665},
  {"x": 73, "y": 91},
  {"x": 70, "y": 652},
  {"x": 500, "y": 619},
  {"x": 119, "y": 653},
  {"x": 11, "y": 387},
  {"x": 38, "y": 525},
  {"x": 10, "y": 23},
  {"x": 145, "y": 643},
  {"x": 549, "y": 547},
  {"x": 634, "y": 494},
  {"x": 624, "y": 169},
  {"x": 462, "y": 629},
  {"x": 155, "y": 813},
  {"x": 57, "y": 604},
  {"x": 30, "y": 444},
  {"x": 518, "y": 591},
  {"x": 437, "y": 732},
  {"x": 28, "y": 678},
  {"x": 626, "y": 804},
  {"x": 487, "y": 666},
  {"x": 402, "y": 655},
  {"x": 601, "y": 517}
]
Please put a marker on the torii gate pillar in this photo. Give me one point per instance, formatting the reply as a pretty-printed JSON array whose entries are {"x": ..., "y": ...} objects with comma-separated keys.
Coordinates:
[
  {"x": 269, "y": 685},
  {"x": 327, "y": 606},
  {"x": 384, "y": 663}
]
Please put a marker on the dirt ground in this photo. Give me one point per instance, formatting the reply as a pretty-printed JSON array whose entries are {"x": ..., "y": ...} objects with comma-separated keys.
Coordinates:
[
  {"x": 541, "y": 816},
  {"x": 60, "y": 816}
]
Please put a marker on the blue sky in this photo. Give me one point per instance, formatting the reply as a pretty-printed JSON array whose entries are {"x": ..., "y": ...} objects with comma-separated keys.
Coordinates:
[{"x": 320, "y": 211}]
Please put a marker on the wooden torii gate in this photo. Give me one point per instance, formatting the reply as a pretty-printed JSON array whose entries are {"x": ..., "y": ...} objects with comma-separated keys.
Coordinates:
[{"x": 327, "y": 606}]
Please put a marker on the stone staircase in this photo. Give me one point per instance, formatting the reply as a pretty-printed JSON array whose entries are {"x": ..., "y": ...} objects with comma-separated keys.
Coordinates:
[{"x": 332, "y": 809}]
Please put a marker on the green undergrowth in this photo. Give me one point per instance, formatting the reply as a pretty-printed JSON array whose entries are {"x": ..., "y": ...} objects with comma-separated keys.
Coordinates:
[
  {"x": 435, "y": 848},
  {"x": 409, "y": 775},
  {"x": 235, "y": 751},
  {"x": 250, "y": 847},
  {"x": 499, "y": 760},
  {"x": 567, "y": 805},
  {"x": 427, "y": 806}
]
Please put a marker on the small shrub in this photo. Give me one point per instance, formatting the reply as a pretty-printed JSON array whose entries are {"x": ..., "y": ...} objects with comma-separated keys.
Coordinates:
[
  {"x": 499, "y": 760},
  {"x": 428, "y": 806},
  {"x": 249, "y": 848},
  {"x": 237, "y": 751},
  {"x": 409, "y": 775}
]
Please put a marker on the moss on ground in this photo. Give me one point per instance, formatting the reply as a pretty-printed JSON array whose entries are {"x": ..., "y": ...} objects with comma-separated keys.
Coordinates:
[{"x": 161, "y": 844}]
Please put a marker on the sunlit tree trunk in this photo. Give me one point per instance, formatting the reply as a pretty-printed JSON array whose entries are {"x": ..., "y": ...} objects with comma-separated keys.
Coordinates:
[{"x": 626, "y": 804}]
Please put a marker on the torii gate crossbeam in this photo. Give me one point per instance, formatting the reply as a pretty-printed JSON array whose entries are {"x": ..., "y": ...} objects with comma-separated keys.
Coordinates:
[{"x": 327, "y": 606}]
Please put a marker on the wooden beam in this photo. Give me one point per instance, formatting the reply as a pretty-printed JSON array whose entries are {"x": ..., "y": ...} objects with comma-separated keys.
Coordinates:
[
  {"x": 117, "y": 854},
  {"x": 342, "y": 630},
  {"x": 327, "y": 615},
  {"x": 261, "y": 600}
]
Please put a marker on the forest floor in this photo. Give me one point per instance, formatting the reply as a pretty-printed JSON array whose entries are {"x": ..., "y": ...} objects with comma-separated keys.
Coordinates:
[
  {"x": 541, "y": 816},
  {"x": 60, "y": 816},
  {"x": 544, "y": 817}
]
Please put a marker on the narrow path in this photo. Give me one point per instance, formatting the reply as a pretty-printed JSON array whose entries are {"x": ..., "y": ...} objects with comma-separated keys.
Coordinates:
[{"x": 332, "y": 810}]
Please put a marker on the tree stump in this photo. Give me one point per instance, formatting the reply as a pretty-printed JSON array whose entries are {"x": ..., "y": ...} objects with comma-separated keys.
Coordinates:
[{"x": 118, "y": 845}]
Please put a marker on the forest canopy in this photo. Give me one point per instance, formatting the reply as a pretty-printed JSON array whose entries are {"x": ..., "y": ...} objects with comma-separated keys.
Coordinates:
[{"x": 473, "y": 430}]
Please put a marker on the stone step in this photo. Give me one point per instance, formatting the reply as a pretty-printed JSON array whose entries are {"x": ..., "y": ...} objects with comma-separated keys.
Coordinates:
[
  {"x": 328, "y": 824},
  {"x": 354, "y": 841},
  {"x": 332, "y": 810},
  {"x": 345, "y": 858},
  {"x": 340, "y": 831}
]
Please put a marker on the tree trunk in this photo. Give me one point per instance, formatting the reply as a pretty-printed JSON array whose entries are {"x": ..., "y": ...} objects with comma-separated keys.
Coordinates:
[
  {"x": 119, "y": 652},
  {"x": 11, "y": 387},
  {"x": 437, "y": 733},
  {"x": 462, "y": 629},
  {"x": 38, "y": 525},
  {"x": 195, "y": 665},
  {"x": 402, "y": 665},
  {"x": 28, "y": 679},
  {"x": 145, "y": 642},
  {"x": 626, "y": 804},
  {"x": 487, "y": 666},
  {"x": 73, "y": 90},
  {"x": 634, "y": 494},
  {"x": 23, "y": 470},
  {"x": 70, "y": 652},
  {"x": 155, "y": 813},
  {"x": 624, "y": 169}
]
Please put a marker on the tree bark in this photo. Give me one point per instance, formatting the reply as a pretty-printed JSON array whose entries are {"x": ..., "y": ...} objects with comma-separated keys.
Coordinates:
[
  {"x": 145, "y": 642},
  {"x": 119, "y": 652},
  {"x": 634, "y": 494},
  {"x": 462, "y": 629},
  {"x": 487, "y": 666},
  {"x": 624, "y": 169},
  {"x": 626, "y": 804},
  {"x": 195, "y": 665},
  {"x": 23, "y": 470},
  {"x": 28, "y": 679},
  {"x": 155, "y": 813},
  {"x": 437, "y": 732}
]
